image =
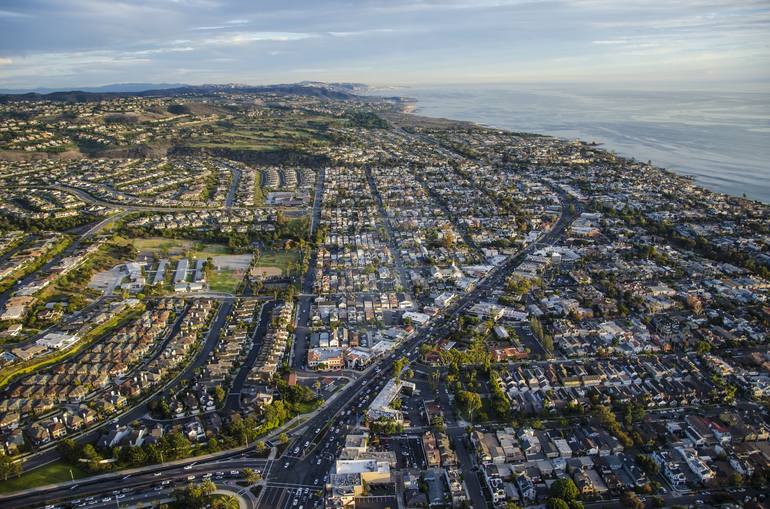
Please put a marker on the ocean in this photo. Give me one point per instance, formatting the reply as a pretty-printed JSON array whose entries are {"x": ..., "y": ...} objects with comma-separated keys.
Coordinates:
[{"x": 722, "y": 139}]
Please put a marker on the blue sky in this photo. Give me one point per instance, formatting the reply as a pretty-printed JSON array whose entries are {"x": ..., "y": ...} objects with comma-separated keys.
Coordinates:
[{"x": 69, "y": 43}]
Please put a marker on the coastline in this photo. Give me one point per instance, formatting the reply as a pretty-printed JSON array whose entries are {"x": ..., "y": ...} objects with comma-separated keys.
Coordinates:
[
  {"x": 414, "y": 113},
  {"x": 723, "y": 152}
]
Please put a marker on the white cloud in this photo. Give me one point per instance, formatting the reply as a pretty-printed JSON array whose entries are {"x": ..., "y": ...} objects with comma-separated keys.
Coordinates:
[
  {"x": 611, "y": 41},
  {"x": 13, "y": 14},
  {"x": 363, "y": 32},
  {"x": 173, "y": 49},
  {"x": 242, "y": 38},
  {"x": 5, "y": 61}
]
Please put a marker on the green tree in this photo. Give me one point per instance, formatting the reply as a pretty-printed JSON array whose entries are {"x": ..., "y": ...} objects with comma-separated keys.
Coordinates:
[
  {"x": 260, "y": 446},
  {"x": 283, "y": 438},
  {"x": 398, "y": 366},
  {"x": 225, "y": 502},
  {"x": 556, "y": 503},
  {"x": 219, "y": 395},
  {"x": 565, "y": 489},
  {"x": 470, "y": 402},
  {"x": 196, "y": 496},
  {"x": 9, "y": 467},
  {"x": 251, "y": 475},
  {"x": 631, "y": 500}
]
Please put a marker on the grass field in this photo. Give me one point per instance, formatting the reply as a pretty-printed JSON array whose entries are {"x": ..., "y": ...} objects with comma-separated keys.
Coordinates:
[
  {"x": 177, "y": 247},
  {"x": 224, "y": 281},
  {"x": 49, "y": 474},
  {"x": 278, "y": 259}
]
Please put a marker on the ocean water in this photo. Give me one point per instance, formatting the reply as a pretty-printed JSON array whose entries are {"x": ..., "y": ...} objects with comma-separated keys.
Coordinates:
[{"x": 722, "y": 139}]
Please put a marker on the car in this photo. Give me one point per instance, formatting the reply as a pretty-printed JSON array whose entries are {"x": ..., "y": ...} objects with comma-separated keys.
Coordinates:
[
  {"x": 315, "y": 483},
  {"x": 118, "y": 497},
  {"x": 286, "y": 465},
  {"x": 165, "y": 483},
  {"x": 157, "y": 474},
  {"x": 107, "y": 499},
  {"x": 235, "y": 472},
  {"x": 157, "y": 488},
  {"x": 188, "y": 467},
  {"x": 190, "y": 477}
]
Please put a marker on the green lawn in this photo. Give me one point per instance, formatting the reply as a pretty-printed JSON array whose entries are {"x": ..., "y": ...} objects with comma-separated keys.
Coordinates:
[
  {"x": 177, "y": 247},
  {"x": 224, "y": 281},
  {"x": 49, "y": 474},
  {"x": 279, "y": 259}
]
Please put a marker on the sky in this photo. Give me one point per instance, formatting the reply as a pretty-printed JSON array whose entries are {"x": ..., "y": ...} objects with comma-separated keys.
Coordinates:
[{"x": 70, "y": 43}]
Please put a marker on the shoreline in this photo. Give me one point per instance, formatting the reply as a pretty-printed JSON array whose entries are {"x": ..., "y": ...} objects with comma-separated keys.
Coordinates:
[{"x": 415, "y": 109}]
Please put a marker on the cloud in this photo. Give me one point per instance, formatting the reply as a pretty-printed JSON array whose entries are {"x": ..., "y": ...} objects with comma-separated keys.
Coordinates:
[
  {"x": 362, "y": 32},
  {"x": 237, "y": 22},
  {"x": 173, "y": 49},
  {"x": 5, "y": 61},
  {"x": 13, "y": 14},
  {"x": 242, "y": 38},
  {"x": 610, "y": 41}
]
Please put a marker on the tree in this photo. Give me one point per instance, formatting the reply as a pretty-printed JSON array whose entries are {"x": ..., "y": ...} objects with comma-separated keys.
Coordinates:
[
  {"x": 398, "y": 366},
  {"x": 512, "y": 505},
  {"x": 631, "y": 500},
  {"x": 196, "y": 495},
  {"x": 283, "y": 438},
  {"x": 251, "y": 475},
  {"x": 565, "y": 489},
  {"x": 556, "y": 503},
  {"x": 9, "y": 467},
  {"x": 225, "y": 502},
  {"x": 470, "y": 401},
  {"x": 260, "y": 446},
  {"x": 69, "y": 450},
  {"x": 219, "y": 395},
  {"x": 647, "y": 464}
]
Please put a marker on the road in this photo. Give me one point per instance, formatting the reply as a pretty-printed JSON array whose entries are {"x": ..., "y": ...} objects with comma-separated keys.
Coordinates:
[
  {"x": 389, "y": 227},
  {"x": 234, "y": 396},
  {"x": 305, "y": 299},
  {"x": 152, "y": 477},
  {"x": 236, "y": 174}
]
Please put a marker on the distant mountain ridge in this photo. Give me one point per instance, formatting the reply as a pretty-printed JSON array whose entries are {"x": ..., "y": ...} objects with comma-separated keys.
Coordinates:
[
  {"x": 337, "y": 91},
  {"x": 111, "y": 88}
]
